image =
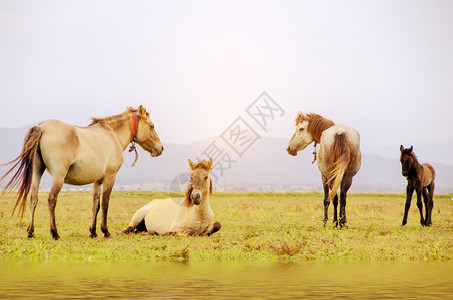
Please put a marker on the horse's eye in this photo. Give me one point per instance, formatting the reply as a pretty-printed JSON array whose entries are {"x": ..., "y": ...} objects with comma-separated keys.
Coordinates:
[
  {"x": 151, "y": 126},
  {"x": 206, "y": 178},
  {"x": 301, "y": 129}
]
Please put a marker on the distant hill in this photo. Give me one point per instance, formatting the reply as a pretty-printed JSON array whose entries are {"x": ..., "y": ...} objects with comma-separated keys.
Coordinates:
[{"x": 264, "y": 166}]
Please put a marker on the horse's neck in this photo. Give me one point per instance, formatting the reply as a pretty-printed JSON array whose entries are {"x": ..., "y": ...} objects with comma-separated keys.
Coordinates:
[
  {"x": 316, "y": 134},
  {"x": 416, "y": 167},
  {"x": 123, "y": 133},
  {"x": 204, "y": 208}
]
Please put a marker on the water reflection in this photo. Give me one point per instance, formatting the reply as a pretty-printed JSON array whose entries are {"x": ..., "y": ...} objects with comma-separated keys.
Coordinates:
[{"x": 227, "y": 280}]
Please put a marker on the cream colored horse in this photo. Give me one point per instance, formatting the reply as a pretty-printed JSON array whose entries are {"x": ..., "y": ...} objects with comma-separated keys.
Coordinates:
[
  {"x": 191, "y": 215},
  {"x": 338, "y": 156},
  {"x": 79, "y": 155}
]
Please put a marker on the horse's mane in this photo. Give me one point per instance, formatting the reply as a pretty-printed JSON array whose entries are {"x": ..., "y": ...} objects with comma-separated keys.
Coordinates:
[
  {"x": 408, "y": 151},
  {"x": 113, "y": 121},
  {"x": 204, "y": 165},
  {"x": 316, "y": 124},
  {"x": 187, "y": 197}
]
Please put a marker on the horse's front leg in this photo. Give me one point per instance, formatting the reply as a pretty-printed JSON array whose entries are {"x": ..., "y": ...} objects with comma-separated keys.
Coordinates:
[
  {"x": 95, "y": 209},
  {"x": 419, "y": 192},
  {"x": 107, "y": 189},
  {"x": 213, "y": 228},
  {"x": 326, "y": 199},
  {"x": 409, "y": 193}
]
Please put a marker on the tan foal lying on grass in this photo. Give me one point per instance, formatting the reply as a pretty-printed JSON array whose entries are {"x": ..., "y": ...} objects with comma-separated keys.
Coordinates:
[{"x": 190, "y": 215}]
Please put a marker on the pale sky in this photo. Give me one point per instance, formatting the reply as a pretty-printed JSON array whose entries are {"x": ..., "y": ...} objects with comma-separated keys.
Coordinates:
[{"x": 383, "y": 67}]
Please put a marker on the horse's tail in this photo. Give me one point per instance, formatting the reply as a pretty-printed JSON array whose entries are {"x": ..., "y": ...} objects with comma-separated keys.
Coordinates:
[
  {"x": 339, "y": 161},
  {"x": 24, "y": 174}
]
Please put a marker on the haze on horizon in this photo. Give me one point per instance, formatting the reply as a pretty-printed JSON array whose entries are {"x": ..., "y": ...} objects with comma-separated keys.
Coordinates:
[{"x": 383, "y": 67}]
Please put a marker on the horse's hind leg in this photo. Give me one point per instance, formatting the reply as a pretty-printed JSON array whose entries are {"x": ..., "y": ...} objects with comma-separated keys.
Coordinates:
[
  {"x": 326, "y": 199},
  {"x": 426, "y": 201},
  {"x": 38, "y": 170},
  {"x": 345, "y": 185},
  {"x": 420, "y": 204},
  {"x": 57, "y": 184},
  {"x": 138, "y": 220},
  {"x": 335, "y": 210},
  {"x": 95, "y": 209},
  {"x": 430, "y": 203}
]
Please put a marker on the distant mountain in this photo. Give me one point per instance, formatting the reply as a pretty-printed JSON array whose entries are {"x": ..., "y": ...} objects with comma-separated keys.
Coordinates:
[
  {"x": 264, "y": 166},
  {"x": 430, "y": 151}
]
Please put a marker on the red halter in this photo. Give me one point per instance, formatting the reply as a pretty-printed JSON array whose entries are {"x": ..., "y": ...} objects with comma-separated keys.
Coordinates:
[{"x": 136, "y": 129}]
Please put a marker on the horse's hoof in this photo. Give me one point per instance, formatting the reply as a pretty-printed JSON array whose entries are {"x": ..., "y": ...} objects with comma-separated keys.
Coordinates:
[
  {"x": 343, "y": 226},
  {"x": 126, "y": 230},
  {"x": 93, "y": 235},
  {"x": 217, "y": 226},
  {"x": 56, "y": 236},
  {"x": 31, "y": 235},
  {"x": 107, "y": 235}
]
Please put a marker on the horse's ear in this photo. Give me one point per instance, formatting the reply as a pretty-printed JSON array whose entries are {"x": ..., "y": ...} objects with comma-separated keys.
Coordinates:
[
  {"x": 412, "y": 148},
  {"x": 210, "y": 186},
  {"x": 192, "y": 165},
  {"x": 401, "y": 148},
  {"x": 141, "y": 111},
  {"x": 300, "y": 117},
  {"x": 209, "y": 164}
]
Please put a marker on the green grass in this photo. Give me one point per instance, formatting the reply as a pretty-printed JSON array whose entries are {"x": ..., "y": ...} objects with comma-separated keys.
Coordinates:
[{"x": 255, "y": 226}]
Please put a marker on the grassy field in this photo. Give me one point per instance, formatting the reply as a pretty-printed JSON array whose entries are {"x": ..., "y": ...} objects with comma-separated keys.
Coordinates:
[{"x": 255, "y": 226}]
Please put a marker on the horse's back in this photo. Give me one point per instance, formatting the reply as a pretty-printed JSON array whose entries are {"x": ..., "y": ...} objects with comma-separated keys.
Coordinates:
[
  {"x": 352, "y": 135},
  {"x": 163, "y": 213},
  {"x": 352, "y": 138}
]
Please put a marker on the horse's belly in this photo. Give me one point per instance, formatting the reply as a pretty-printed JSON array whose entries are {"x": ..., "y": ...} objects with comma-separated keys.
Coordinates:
[
  {"x": 427, "y": 175},
  {"x": 80, "y": 173}
]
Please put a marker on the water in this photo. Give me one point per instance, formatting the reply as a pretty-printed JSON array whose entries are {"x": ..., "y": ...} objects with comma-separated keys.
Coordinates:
[{"x": 227, "y": 280}]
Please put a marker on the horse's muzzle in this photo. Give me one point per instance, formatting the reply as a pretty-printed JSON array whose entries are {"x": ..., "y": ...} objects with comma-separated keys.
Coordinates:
[
  {"x": 291, "y": 151},
  {"x": 158, "y": 151},
  {"x": 196, "y": 198}
]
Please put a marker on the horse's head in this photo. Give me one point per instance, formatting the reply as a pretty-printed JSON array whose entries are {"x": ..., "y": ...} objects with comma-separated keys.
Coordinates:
[
  {"x": 201, "y": 183},
  {"x": 301, "y": 138},
  {"x": 146, "y": 133},
  {"x": 406, "y": 159}
]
